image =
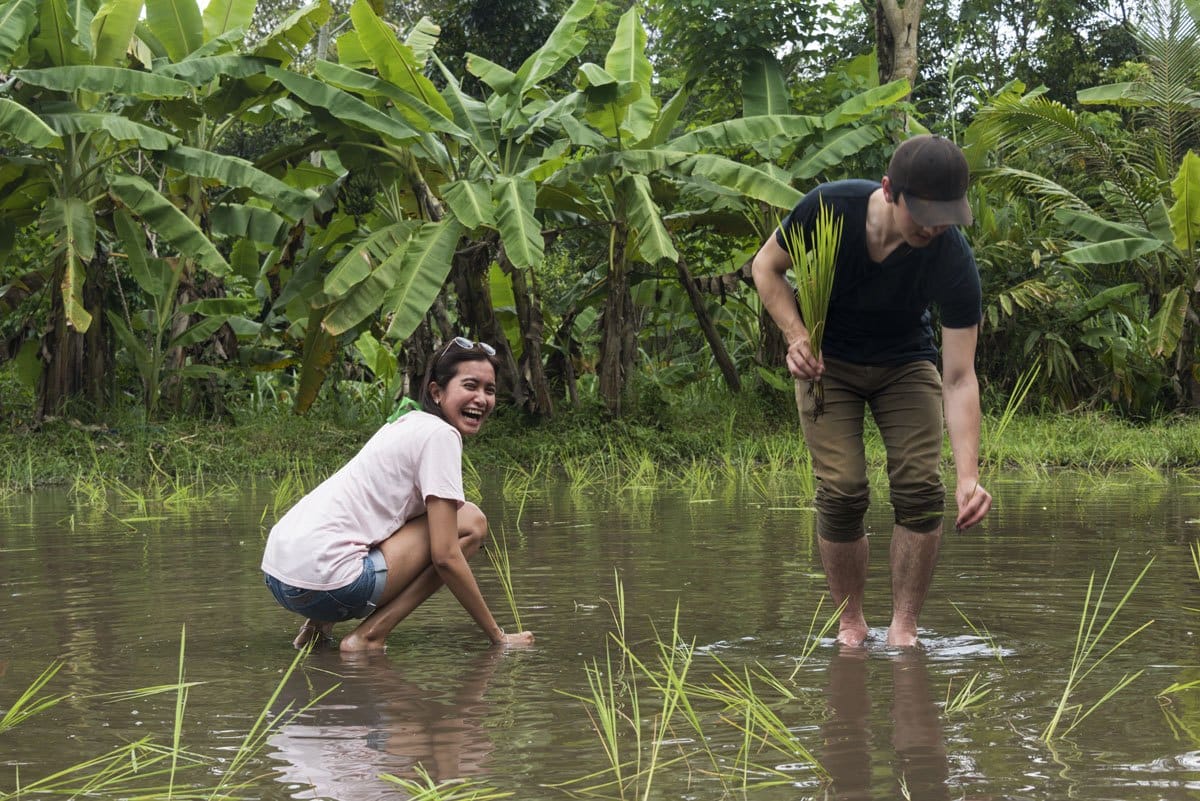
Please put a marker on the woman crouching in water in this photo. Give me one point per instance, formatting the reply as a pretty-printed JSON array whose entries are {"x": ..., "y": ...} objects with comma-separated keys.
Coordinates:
[{"x": 389, "y": 528}]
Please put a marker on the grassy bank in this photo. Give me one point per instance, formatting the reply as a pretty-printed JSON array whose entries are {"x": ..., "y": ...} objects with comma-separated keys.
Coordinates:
[{"x": 693, "y": 430}]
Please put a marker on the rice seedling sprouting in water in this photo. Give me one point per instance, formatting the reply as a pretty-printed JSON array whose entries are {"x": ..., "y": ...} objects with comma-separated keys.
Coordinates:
[
  {"x": 425, "y": 788},
  {"x": 29, "y": 703},
  {"x": 1195, "y": 551},
  {"x": 148, "y": 767},
  {"x": 813, "y": 264},
  {"x": 1084, "y": 660},
  {"x": 981, "y": 633},
  {"x": 815, "y": 635},
  {"x": 969, "y": 696}
]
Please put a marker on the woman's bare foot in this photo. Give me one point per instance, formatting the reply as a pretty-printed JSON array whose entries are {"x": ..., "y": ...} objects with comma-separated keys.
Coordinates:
[
  {"x": 354, "y": 642},
  {"x": 314, "y": 632}
]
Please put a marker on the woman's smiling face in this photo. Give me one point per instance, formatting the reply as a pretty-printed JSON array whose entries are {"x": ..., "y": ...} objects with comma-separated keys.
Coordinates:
[{"x": 469, "y": 397}]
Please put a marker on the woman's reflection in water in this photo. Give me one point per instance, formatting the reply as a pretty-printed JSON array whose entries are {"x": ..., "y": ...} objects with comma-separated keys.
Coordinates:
[
  {"x": 919, "y": 769},
  {"x": 377, "y": 721}
]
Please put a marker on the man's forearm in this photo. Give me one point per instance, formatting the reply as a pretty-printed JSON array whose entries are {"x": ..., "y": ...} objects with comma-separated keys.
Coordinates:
[{"x": 961, "y": 401}]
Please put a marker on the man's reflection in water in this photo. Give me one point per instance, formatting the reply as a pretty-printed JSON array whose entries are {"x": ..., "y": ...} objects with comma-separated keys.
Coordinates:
[
  {"x": 379, "y": 722},
  {"x": 919, "y": 769}
]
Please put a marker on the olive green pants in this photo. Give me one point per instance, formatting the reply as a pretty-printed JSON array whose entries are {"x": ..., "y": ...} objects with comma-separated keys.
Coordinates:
[{"x": 906, "y": 403}]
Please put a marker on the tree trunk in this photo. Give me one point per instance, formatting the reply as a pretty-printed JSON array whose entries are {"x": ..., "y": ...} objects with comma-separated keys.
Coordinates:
[
  {"x": 560, "y": 367},
  {"x": 11, "y": 297},
  {"x": 772, "y": 346},
  {"x": 476, "y": 312},
  {"x": 418, "y": 350},
  {"x": 896, "y": 39},
  {"x": 617, "y": 337},
  {"x": 706, "y": 325},
  {"x": 531, "y": 373},
  {"x": 1185, "y": 356},
  {"x": 76, "y": 365},
  {"x": 170, "y": 389}
]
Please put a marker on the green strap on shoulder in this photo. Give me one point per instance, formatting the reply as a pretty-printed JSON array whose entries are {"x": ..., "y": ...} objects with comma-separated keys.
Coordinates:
[{"x": 405, "y": 406}]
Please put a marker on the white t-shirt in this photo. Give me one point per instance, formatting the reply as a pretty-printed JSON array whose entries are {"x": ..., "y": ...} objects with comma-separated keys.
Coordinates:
[{"x": 321, "y": 541}]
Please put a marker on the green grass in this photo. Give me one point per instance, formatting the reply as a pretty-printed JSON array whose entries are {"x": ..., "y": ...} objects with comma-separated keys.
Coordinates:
[
  {"x": 425, "y": 788},
  {"x": 968, "y": 697},
  {"x": 688, "y": 435}
]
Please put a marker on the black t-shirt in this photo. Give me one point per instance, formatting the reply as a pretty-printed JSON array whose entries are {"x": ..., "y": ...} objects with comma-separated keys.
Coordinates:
[{"x": 879, "y": 313}]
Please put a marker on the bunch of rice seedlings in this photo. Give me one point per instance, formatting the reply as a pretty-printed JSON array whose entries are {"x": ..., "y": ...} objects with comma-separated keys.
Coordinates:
[
  {"x": 814, "y": 260},
  {"x": 497, "y": 552}
]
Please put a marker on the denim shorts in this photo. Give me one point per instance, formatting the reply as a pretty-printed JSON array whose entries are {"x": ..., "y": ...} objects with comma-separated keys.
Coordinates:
[{"x": 357, "y": 599}]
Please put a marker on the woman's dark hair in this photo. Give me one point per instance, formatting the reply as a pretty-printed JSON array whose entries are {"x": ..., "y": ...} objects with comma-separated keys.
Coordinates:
[{"x": 444, "y": 366}]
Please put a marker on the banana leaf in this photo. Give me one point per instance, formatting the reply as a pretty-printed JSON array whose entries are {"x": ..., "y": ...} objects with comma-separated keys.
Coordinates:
[
  {"x": 171, "y": 224},
  {"x": 17, "y": 20},
  {"x": 426, "y": 265},
  {"x": 177, "y": 24},
  {"x": 112, "y": 28},
  {"x": 342, "y": 105},
  {"x": 516, "y": 203},
  {"x": 23, "y": 125}
]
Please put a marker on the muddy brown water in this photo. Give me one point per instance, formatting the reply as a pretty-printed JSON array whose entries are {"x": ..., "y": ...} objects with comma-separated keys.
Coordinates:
[{"x": 108, "y": 594}]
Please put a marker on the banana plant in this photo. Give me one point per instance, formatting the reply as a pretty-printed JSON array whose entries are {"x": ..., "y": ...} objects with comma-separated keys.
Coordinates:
[
  {"x": 108, "y": 110},
  {"x": 249, "y": 208},
  {"x": 69, "y": 117},
  {"x": 378, "y": 114},
  {"x": 145, "y": 334},
  {"x": 635, "y": 166},
  {"x": 454, "y": 166},
  {"x": 624, "y": 168},
  {"x": 518, "y": 134}
]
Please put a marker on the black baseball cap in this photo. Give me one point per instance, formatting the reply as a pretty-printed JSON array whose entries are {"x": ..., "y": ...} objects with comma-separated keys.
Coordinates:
[{"x": 932, "y": 174}]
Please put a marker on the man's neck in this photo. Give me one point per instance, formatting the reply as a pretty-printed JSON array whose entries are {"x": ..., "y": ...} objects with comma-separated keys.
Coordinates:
[{"x": 883, "y": 235}]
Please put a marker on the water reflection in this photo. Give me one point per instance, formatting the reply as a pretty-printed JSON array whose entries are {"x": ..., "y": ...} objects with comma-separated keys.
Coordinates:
[
  {"x": 919, "y": 768},
  {"x": 740, "y": 565},
  {"x": 378, "y": 721}
]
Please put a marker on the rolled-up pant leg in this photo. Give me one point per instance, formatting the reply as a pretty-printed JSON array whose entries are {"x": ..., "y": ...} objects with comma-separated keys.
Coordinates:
[
  {"x": 907, "y": 407},
  {"x": 835, "y": 440}
]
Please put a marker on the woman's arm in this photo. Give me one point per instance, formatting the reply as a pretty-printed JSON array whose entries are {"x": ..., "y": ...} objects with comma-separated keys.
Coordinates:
[{"x": 445, "y": 550}]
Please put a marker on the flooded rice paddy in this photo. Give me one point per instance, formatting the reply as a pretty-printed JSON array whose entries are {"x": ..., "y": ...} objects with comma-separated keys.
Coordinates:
[{"x": 110, "y": 591}]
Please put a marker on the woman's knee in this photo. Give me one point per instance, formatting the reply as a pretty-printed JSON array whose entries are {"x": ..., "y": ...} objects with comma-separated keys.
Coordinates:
[{"x": 472, "y": 522}]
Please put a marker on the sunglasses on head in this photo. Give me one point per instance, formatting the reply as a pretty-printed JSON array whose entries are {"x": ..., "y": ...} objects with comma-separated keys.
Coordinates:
[{"x": 465, "y": 344}]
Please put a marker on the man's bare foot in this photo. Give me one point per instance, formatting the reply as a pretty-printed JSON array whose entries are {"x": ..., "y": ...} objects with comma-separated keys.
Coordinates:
[
  {"x": 902, "y": 636},
  {"x": 357, "y": 643},
  {"x": 853, "y": 633},
  {"x": 314, "y": 632}
]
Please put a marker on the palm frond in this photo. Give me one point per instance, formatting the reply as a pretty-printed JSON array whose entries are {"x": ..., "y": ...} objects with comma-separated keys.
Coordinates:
[
  {"x": 1035, "y": 123},
  {"x": 1049, "y": 194}
]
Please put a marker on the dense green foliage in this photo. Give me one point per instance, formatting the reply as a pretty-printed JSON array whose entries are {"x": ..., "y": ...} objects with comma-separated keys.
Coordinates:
[
  {"x": 253, "y": 206},
  {"x": 678, "y": 436}
]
